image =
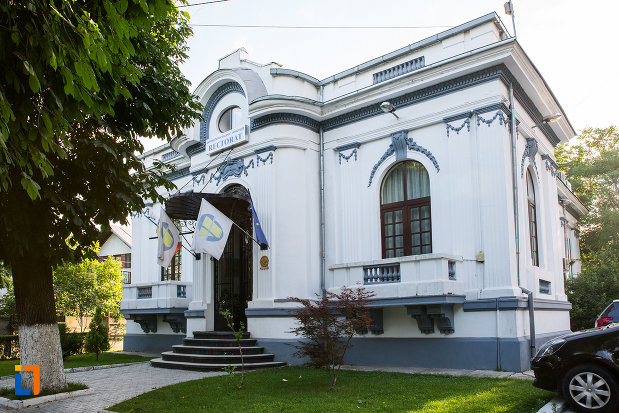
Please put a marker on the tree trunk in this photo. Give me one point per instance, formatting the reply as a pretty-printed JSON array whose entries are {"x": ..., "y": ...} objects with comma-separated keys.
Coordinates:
[{"x": 39, "y": 339}]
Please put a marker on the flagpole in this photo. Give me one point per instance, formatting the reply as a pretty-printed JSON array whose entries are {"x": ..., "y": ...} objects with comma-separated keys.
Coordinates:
[{"x": 247, "y": 233}]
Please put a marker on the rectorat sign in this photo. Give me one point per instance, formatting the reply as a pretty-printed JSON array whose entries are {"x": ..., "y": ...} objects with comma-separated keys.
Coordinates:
[{"x": 226, "y": 140}]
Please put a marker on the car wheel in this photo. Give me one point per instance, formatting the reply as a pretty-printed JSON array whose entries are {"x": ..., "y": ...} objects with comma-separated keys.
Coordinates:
[{"x": 590, "y": 388}]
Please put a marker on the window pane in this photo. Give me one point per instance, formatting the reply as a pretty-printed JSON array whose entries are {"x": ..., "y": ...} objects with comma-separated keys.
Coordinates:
[
  {"x": 389, "y": 254},
  {"x": 393, "y": 186},
  {"x": 399, "y": 242},
  {"x": 416, "y": 239},
  {"x": 230, "y": 119},
  {"x": 389, "y": 242},
  {"x": 417, "y": 181},
  {"x": 425, "y": 238},
  {"x": 426, "y": 249},
  {"x": 398, "y": 216},
  {"x": 425, "y": 225},
  {"x": 398, "y": 229},
  {"x": 530, "y": 188},
  {"x": 399, "y": 253},
  {"x": 388, "y": 217},
  {"x": 425, "y": 211},
  {"x": 414, "y": 213},
  {"x": 415, "y": 226},
  {"x": 388, "y": 230},
  {"x": 416, "y": 250}
]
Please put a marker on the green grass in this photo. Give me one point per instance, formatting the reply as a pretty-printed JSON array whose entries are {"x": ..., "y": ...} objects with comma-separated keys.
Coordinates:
[
  {"x": 307, "y": 391},
  {"x": 7, "y": 367},
  {"x": 9, "y": 393}
]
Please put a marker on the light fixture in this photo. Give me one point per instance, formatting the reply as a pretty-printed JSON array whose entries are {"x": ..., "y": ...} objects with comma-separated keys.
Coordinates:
[
  {"x": 387, "y": 107},
  {"x": 552, "y": 118}
]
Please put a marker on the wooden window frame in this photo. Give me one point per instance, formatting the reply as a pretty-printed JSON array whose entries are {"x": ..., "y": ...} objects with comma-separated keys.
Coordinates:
[
  {"x": 404, "y": 206},
  {"x": 174, "y": 270},
  {"x": 533, "y": 233}
]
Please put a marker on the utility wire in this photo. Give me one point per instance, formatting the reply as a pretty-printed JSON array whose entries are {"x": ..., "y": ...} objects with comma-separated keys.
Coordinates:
[
  {"x": 203, "y": 3},
  {"x": 258, "y": 26}
]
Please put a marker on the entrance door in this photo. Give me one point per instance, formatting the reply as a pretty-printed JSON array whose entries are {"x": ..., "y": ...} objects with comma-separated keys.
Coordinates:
[{"x": 233, "y": 272}]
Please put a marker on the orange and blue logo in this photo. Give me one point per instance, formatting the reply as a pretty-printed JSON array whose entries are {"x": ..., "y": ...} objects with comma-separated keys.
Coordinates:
[
  {"x": 36, "y": 386},
  {"x": 210, "y": 228}
]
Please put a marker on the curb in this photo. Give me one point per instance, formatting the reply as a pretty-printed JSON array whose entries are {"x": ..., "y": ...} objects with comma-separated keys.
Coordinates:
[
  {"x": 89, "y": 368},
  {"x": 556, "y": 405},
  {"x": 21, "y": 404}
]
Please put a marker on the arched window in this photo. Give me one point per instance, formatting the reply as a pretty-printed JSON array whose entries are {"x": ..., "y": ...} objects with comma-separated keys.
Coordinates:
[
  {"x": 532, "y": 220},
  {"x": 406, "y": 225},
  {"x": 229, "y": 119}
]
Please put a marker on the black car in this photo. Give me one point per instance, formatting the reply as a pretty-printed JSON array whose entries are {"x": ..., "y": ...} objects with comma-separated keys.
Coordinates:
[{"x": 583, "y": 367}]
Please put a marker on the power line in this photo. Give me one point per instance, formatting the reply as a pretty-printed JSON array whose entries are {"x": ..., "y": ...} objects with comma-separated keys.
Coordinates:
[
  {"x": 203, "y": 3},
  {"x": 257, "y": 26}
]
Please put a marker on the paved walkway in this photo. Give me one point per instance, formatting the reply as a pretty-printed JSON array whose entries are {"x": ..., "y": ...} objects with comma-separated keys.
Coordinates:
[{"x": 111, "y": 386}]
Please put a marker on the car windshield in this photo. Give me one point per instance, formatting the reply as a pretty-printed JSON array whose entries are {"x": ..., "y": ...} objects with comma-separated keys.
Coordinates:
[{"x": 612, "y": 311}]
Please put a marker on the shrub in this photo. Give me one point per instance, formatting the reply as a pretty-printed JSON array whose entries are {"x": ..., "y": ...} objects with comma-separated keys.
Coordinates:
[
  {"x": 9, "y": 347},
  {"x": 328, "y": 325},
  {"x": 71, "y": 343},
  {"x": 97, "y": 339}
]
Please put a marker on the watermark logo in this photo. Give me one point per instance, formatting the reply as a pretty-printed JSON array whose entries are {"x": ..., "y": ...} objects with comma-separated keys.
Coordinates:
[{"x": 36, "y": 386}]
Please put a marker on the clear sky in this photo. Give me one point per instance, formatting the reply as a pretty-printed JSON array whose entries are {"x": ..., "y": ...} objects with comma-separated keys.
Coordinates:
[{"x": 572, "y": 42}]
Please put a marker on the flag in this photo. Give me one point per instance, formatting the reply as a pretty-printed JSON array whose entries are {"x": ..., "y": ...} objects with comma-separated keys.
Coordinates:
[
  {"x": 168, "y": 239},
  {"x": 212, "y": 230},
  {"x": 262, "y": 240}
]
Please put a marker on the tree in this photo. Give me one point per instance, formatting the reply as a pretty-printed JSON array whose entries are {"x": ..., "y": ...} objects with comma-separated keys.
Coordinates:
[
  {"x": 328, "y": 325},
  {"x": 238, "y": 336},
  {"x": 97, "y": 339},
  {"x": 592, "y": 166},
  {"x": 87, "y": 79},
  {"x": 81, "y": 287}
]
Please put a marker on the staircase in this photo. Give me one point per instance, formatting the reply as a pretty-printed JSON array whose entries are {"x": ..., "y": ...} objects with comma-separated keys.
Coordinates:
[{"x": 214, "y": 350}]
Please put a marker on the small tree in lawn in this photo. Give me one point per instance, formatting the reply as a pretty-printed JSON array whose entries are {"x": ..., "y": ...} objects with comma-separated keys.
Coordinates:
[
  {"x": 238, "y": 335},
  {"x": 97, "y": 339},
  {"x": 328, "y": 325}
]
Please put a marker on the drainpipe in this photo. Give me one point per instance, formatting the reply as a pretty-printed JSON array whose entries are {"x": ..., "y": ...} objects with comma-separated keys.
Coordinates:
[
  {"x": 321, "y": 169},
  {"x": 529, "y": 293}
]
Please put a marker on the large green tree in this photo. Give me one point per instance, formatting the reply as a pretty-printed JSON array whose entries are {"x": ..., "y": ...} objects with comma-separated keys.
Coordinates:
[
  {"x": 82, "y": 81},
  {"x": 592, "y": 167},
  {"x": 81, "y": 287}
]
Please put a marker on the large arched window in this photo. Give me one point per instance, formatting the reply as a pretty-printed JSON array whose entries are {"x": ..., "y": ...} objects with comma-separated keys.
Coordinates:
[
  {"x": 532, "y": 220},
  {"x": 406, "y": 226}
]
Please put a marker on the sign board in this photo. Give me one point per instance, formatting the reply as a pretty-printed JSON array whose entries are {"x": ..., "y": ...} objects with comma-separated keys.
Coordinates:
[{"x": 227, "y": 139}]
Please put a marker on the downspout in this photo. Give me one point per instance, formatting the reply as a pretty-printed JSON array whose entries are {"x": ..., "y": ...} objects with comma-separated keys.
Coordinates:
[
  {"x": 529, "y": 293},
  {"x": 321, "y": 169}
]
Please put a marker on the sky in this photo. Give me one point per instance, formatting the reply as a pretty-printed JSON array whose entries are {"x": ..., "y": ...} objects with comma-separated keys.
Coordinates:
[{"x": 571, "y": 42}]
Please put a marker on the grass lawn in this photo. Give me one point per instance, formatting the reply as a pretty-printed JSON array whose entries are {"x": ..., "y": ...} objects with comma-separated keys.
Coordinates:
[
  {"x": 306, "y": 390},
  {"x": 7, "y": 367}
]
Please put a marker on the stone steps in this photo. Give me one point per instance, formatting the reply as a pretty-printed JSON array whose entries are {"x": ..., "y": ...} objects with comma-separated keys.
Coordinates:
[{"x": 214, "y": 351}]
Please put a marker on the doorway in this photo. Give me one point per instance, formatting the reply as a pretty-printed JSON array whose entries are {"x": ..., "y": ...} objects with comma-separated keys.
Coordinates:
[{"x": 233, "y": 272}]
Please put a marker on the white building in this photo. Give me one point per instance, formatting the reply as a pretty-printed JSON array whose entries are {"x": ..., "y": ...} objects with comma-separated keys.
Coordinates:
[{"x": 416, "y": 204}]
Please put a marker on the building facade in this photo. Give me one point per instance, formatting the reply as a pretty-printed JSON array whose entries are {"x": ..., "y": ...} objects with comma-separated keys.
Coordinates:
[{"x": 405, "y": 174}]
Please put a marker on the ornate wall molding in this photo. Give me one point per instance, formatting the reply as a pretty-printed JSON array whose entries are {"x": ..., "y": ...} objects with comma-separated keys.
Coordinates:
[
  {"x": 264, "y": 160},
  {"x": 399, "y": 70},
  {"x": 529, "y": 152},
  {"x": 231, "y": 167},
  {"x": 498, "y": 115},
  {"x": 399, "y": 144},
  {"x": 551, "y": 165},
  {"x": 223, "y": 90},
  {"x": 343, "y": 148},
  {"x": 284, "y": 118}
]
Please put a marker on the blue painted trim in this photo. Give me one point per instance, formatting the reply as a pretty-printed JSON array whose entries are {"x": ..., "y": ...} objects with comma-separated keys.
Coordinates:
[
  {"x": 269, "y": 148},
  {"x": 398, "y": 139},
  {"x": 270, "y": 312},
  {"x": 514, "y": 303},
  {"x": 194, "y": 314},
  {"x": 467, "y": 123},
  {"x": 264, "y": 160},
  {"x": 347, "y": 157},
  {"x": 169, "y": 155},
  {"x": 417, "y": 300},
  {"x": 153, "y": 311},
  {"x": 530, "y": 151},
  {"x": 223, "y": 90},
  {"x": 179, "y": 173},
  {"x": 549, "y": 159},
  {"x": 351, "y": 145},
  {"x": 151, "y": 343},
  {"x": 284, "y": 118},
  {"x": 458, "y": 116},
  {"x": 231, "y": 167},
  {"x": 492, "y": 107}
]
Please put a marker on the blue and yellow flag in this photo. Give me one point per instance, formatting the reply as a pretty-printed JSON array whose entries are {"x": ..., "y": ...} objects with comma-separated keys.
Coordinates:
[
  {"x": 212, "y": 230},
  {"x": 262, "y": 240},
  {"x": 168, "y": 240}
]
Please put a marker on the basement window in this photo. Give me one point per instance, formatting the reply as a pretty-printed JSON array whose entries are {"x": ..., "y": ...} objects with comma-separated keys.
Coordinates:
[{"x": 544, "y": 287}]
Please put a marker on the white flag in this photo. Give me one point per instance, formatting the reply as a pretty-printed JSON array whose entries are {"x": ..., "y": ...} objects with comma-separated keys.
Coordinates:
[
  {"x": 168, "y": 239},
  {"x": 212, "y": 231}
]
